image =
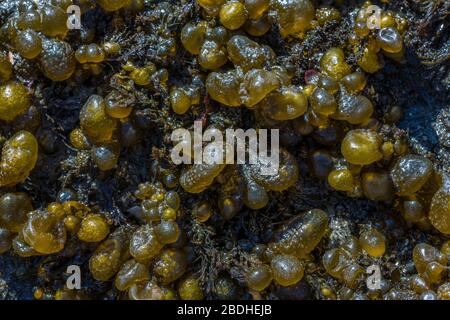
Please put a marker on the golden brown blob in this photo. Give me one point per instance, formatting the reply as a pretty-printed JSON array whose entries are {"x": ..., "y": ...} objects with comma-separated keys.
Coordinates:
[
  {"x": 19, "y": 156},
  {"x": 94, "y": 120},
  {"x": 361, "y": 147},
  {"x": 14, "y": 208},
  {"x": 44, "y": 232},
  {"x": 440, "y": 207},
  {"x": 286, "y": 269},
  {"x": 301, "y": 234},
  {"x": 373, "y": 242},
  {"x": 293, "y": 15},
  {"x": 14, "y": 100},
  {"x": 94, "y": 228}
]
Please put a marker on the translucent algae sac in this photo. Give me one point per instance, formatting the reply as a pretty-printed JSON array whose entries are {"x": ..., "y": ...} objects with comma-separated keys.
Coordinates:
[
  {"x": 440, "y": 207},
  {"x": 131, "y": 272},
  {"x": 361, "y": 147},
  {"x": 199, "y": 177},
  {"x": 44, "y": 232},
  {"x": 144, "y": 245},
  {"x": 14, "y": 100},
  {"x": 300, "y": 235},
  {"x": 109, "y": 256},
  {"x": 19, "y": 156},
  {"x": 94, "y": 120},
  {"x": 284, "y": 177},
  {"x": 57, "y": 60},
  {"x": 294, "y": 15},
  {"x": 410, "y": 173},
  {"x": 224, "y": 87},
  {"x": 13, "y": 210},
  {"x": 170, "y": 265}
]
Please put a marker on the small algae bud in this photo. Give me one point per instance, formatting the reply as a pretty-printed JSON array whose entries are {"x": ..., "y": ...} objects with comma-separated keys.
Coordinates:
[
  {"x": 293, "y": 15},
  {"x": 28, "y": 44},
  {"x": 144, "y": 244},
  {"x": 256, "y": 8},
  {"x": 353, "y": 109},
  {"x": 131, "y": 272},
  {"x": 418, "y": 284},
  {"x": 93, "y": 228},
  {"x": 322, "y": 102},
  {"x": 198, "y": 177},
  {"x": 202, "y": 211},
  {"x": 334, "y": 65},
  {"x": 300, "y": 235},
  {"x": 212, "y": 55},
  {"x": 369, "y": 61},
  {"x": 430, "y": 262},
  {"x": 354, "y": 82},
  {"x": 286, "y": 269},
  {"x": 410, "y": 173},
  {"x": 413, "y": 210},
  {"x": 118, "y": 105},
  {"x": 377, "y": 186},
  {"x": 256, "y": 85},
  {"x": 257, "y": 27},
  {"x": 14, "y": 100},
  {"x": 19, "y": 156},
  {"x": 224, "y": 87},
  {"x": 192, "y": 37},
  {"x": 325, "y": 14},
  {"x": 256, "y": 196},
  {"x": 286, "y": 103},
  {"x": 54, "y": 21},
  {"x": 259, "y": 277},
  {"x": 150, "y": 290},
  {"x": 79, "y": 139},
  {"x": 440, "y": 207},
  {"x": 109, "y": 256},
  {"x": 233, "y": 15},
  {"x": 13, "y": 210},
  {"x": 57, "y": 60},
  {"x": 169, "y": 265},
  {"x": 112, "y": 5},
  {"x": 390, "y": 40},
  {"x": 44, "y": 232},
  {"x": 180, "y": 100},
  {"x": 329, "y": 84},
  {"x": 373, "y": 242},
  {"x": 106, "y": 156},
  {"x": 167, "y": 232},
  {"x": 94, "y": 120},
  {"x": 339, "y": 264},
  {"x": 91, "y": 53},
  {"x": 341, "y": 179},
  {"x": 189, "y": 288},
  {"x": 245, "y": 53},
  {"x": 361, "y": 147}
]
